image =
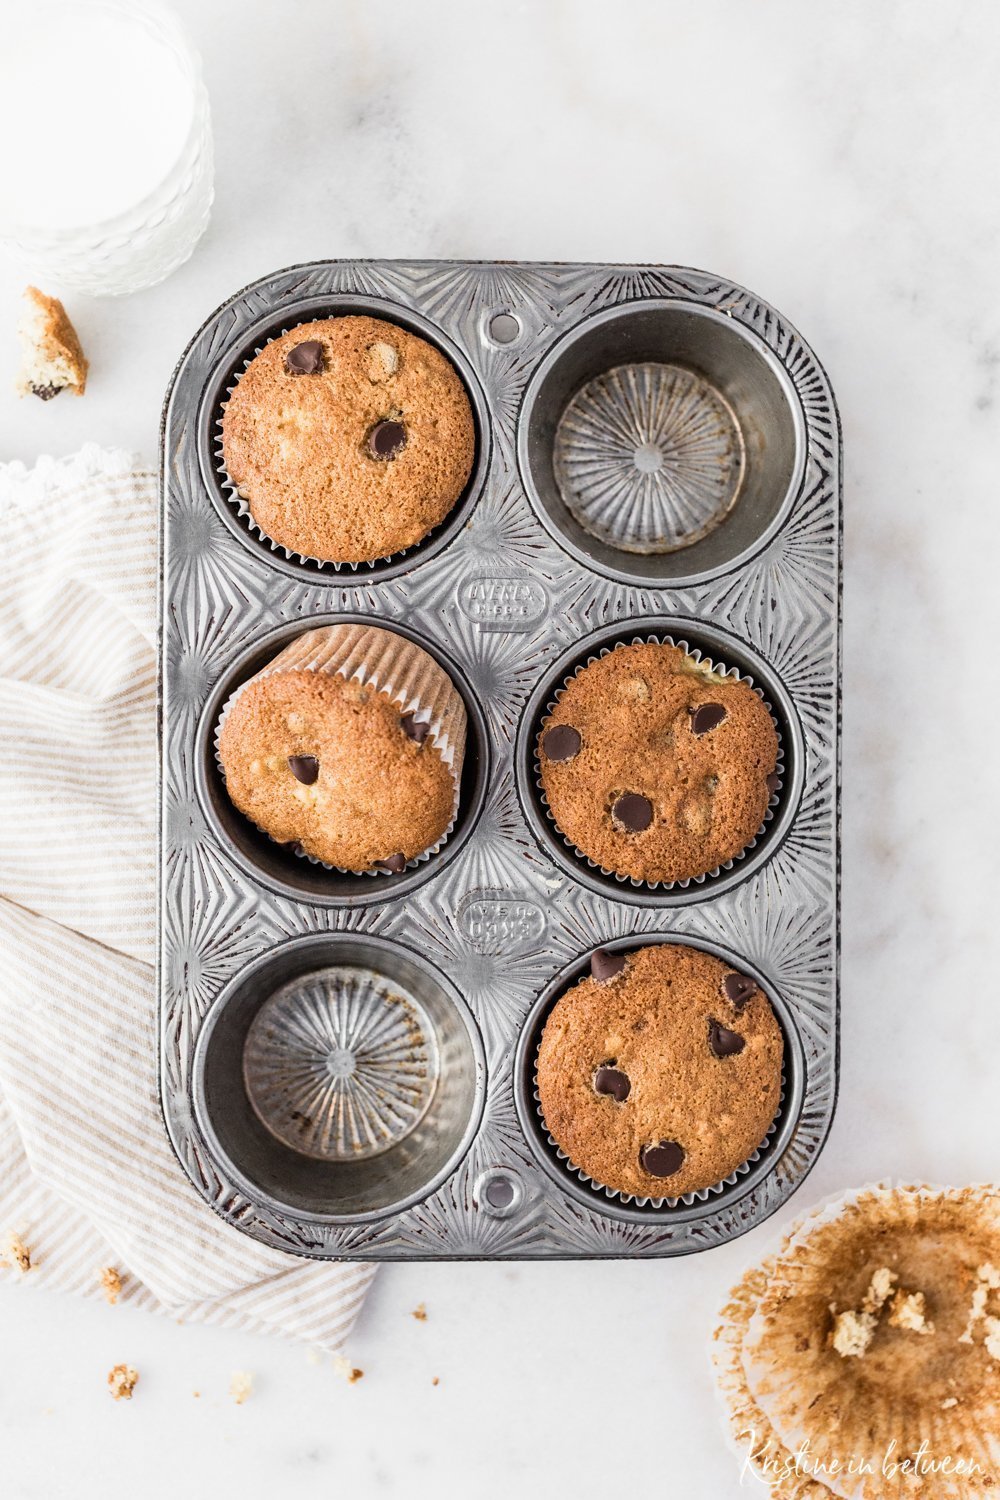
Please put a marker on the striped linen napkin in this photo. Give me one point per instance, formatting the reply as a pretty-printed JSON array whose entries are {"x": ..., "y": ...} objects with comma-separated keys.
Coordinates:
[{"x": 87, "y": 1176}]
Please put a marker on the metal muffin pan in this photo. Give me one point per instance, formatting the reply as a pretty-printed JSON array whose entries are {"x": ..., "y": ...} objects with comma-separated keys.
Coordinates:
[{"x": 706, "y": 417}]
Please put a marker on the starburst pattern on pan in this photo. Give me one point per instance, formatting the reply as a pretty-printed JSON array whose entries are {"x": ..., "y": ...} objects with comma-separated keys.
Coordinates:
[{"x": 501, "y": 599}]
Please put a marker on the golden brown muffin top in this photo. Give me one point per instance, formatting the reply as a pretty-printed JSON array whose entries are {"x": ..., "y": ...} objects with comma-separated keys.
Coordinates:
[
  {"x": 653, "y": 1078},
  {"x": 655, "y": 767},
  {"x": 349, "y": 438},
  {"x": 320, "y": 761}
]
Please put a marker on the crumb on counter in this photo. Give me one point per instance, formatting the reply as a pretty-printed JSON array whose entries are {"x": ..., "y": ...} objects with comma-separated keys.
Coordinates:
[
  {"x": 51, "y": 357},
  {"x": 240, "y": 1386},
  {"x": 435, "y": 1381},
  {"x": 344, "y": 1367},
  {"x": 420, "y": 1313},
  {"x": 111, "y": 1284},
  {"x": 122, "y": 1381},
  {"x": 16, "y": 1253}
]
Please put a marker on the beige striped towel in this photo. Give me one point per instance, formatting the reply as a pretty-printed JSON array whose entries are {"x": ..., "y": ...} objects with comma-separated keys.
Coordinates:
[{"x": 87, "y": 1176}]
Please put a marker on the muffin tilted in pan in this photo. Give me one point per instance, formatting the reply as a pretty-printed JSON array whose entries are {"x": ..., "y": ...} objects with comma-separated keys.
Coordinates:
[
  {"x": 660, "y": 1073},
  {"x": 655, "y": 766},
  {"x": 349, "y": 439},
  {"x": 348, "y": 746}
]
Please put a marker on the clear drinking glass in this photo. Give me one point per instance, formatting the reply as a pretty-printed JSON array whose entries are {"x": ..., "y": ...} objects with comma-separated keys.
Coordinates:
[{"x": 106, "y": 173}]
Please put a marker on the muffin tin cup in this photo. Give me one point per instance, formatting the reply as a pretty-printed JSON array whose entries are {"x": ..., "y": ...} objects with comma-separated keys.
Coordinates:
[
  {"x": 557, "y": 1162},
  {"x": 392, "y": 563},
  {"x": 260, "y": 1038},
  {"x": 651, "y": 484},
  {"x": 712, "y": 669},
  {"x": 458, "y": 956},
  {"x": 297, "y": 876},
  {"x": 411, "y": 679},
  {"x": 724, "y": 654}
]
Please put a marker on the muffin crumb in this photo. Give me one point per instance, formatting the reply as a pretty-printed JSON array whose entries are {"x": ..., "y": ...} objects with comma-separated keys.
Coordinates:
[
  {"x": 240, "y": 1386},
  {"x": 122, "y": 1381},
  {"x": 853, "y": 1331},
  {"x": 111, "y": 1284},
  {"x": 420, "y": 1313},
  {"x": 52, "y": 359},
  {"x": 989, "y": 1281},
  {"x": 344, "y": 1367},
  {"x": 908, "y": 1310},
  {"x": 16, "y": 1253}
]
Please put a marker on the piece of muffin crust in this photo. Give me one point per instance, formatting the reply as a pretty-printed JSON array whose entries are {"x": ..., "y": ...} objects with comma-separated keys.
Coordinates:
[{"x": 51, "y": 357}]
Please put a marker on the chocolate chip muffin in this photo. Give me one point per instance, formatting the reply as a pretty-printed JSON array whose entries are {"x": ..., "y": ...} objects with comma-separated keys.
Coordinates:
[
  {"x": 348, "y": 747},
  {"x": 660, "y": 1073},
  {"x": 655, "y": 766},
  {"x": 348, "y": 439}
]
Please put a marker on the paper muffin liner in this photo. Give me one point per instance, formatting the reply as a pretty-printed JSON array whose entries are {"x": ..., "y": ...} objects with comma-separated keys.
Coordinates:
[
  {"x": 750, "y": 1388},
  {"x": 700, "y": 1195},
  {"x": 240, "y": 503},
  {"x": 711, "y": 668},
  {"x": 388, "y": 663}
]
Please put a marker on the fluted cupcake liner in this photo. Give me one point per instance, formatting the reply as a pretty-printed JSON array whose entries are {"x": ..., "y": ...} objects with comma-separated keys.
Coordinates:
[
  {"x": 699, "y": 1195},
  {"x": 772, "y": 1399},
  {"x": 241, "y": 504},
  {"x": 711, "y": 668},
  {"x": 387, "y": 663}
]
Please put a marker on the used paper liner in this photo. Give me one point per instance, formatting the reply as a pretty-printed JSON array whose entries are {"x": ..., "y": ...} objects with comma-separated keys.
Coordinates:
[
  {"x": 388, "y": 663},
  {"x": 719, "y": 670},
  {"x": 700, "y": 1195},
  {"x": 780, "y": 1387},
  {"x": 241, "y": 504}
]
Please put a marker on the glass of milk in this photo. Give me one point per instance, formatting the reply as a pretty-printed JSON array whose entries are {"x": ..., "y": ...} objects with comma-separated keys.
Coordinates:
[{"x": 106, "y": 170}]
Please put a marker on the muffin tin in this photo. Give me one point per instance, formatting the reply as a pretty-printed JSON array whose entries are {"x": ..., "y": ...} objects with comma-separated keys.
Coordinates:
[{"x": 346, "y": 1062}]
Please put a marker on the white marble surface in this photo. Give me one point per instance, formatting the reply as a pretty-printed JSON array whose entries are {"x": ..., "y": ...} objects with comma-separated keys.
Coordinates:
[{"x": 840, "y": 159}]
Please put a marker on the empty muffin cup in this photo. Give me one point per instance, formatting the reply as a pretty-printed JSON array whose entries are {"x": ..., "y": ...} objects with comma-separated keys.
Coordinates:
[
  {"x": 351, "y": 739},
  {"x": 341, "y": 1077},
  {"x": 662, "y": 442}
]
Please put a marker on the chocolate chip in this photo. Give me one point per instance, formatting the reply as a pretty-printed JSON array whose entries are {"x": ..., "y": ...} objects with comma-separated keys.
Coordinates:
[
  {"x": 605, "y": 965},
  {"x": 773, "y": 782},
  {"x": 561, "y": 742},
  {"x": 305, "y": 359},
  {"x": 46, "y": 392},
  {"x": 304, "y": 768},
  {"x": 413, "y": 730},
  {"x": 394, "y": 864},
  {"x": 386, "y": 439},
  {"x": 722, "y": 1042},
  {"x": 706, "y": 716},
  {"x": 663, "y": 1159},
  {"x": 609, "y": 1080},
  {"x": 633, "y": 812},
  {"x": 739, "y": 988}
]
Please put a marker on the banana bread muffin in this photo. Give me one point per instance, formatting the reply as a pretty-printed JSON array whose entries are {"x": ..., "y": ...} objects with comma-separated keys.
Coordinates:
[
  {"x": 348, "y": 439},
  {"x": 348, "y": 747},
  {"x": 660, "y": 1073},
  {"x": 656, "y": 767}
]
